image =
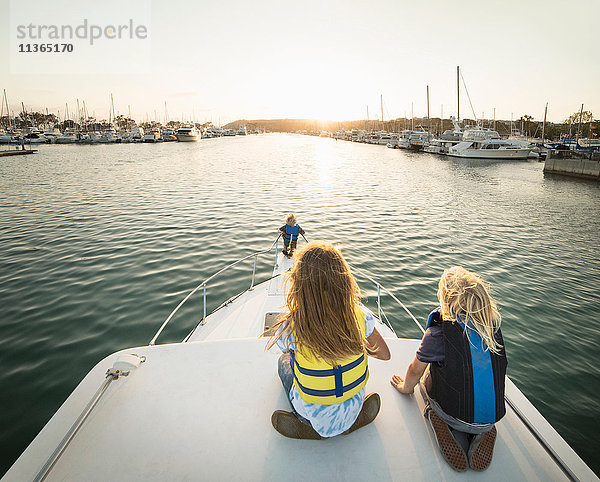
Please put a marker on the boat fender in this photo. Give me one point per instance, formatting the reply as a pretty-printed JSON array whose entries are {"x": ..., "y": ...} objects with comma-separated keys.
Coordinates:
[{"x": 126, "y": 363}]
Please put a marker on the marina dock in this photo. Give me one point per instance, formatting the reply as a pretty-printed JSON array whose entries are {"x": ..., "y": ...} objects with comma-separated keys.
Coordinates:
[
  {"x": 573, "y": 163},
  {"x": 17, "y": 153}
]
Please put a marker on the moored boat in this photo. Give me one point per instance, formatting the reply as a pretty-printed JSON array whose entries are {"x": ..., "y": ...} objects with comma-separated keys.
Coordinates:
[
  {"x": 136, "y": 134},
  {"x": 188, "y": 410},
  {"x": 151, "y": 136},
  {"x": 415, "y": 140},
  {"x": 188, "y": 134},
  {"x": 480, "y": 143},
  {"x": 68, "y": 137}
]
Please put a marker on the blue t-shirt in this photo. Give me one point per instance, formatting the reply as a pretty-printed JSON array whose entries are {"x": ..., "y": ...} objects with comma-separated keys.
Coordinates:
[
  {"x": 328, "y": 420},
  {"x": 432, "y": 345}
]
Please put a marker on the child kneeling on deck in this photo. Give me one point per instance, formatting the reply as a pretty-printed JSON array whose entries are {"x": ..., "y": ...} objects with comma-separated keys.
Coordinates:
[
  {"x": 464, "y": 385},
  {"x": 326, "y": 338}
]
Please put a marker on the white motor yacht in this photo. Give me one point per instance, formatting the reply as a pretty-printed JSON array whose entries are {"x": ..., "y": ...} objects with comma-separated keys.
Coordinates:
[
  {"x": 201, "y": 409},
  {"x": 5, "y": 137},
  {"x": 167, "y": 134},
  {"x": 373, "y": 138},
  {"x": 359, "y": 136},
  {"x": 386, "y": 138},
  {"x": 415, "y": 140},
  {"x": 151, "y": 136},
  {"x": 36, "y": 136},
  {"x": 69, "y": 136},
  {"x": 242, "y": 131},
  {"x": 440, "y": 146},
  {"x": 392, "y": 141},
  {"x": 188, "y": 134},
  {"x": 109, "y": 136},
  {"x": 52, "y": 134},
  {"x": 481, "y": 143},
  {"x": 136, "y": 134}
]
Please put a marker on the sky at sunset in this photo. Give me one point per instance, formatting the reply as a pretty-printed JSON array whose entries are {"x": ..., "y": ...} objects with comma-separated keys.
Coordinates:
[{"x": 222, "y": 61}]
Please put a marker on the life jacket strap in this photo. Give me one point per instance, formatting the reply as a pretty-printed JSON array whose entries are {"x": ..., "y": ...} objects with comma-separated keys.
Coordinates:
[
  {"x": 336, "y": 391},
  {"x": 326, "y": 373},
  {"x": 336, "y": 372}
]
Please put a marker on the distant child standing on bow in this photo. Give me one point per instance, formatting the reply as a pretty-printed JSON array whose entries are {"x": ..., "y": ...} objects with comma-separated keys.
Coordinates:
[
  {"x": 462, "y": 350},
  {"x": 290, "y": 230}
]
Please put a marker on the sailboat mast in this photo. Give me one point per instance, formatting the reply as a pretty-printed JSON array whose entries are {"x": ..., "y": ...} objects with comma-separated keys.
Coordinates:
[
  {"x": 5, "y": 100},
  {"x": 7, "y": 110},
  {"x": 512, "y": 125},
  {"x": 412, "y": 116},
  {"x": 112, "y": 106},
  {"x": 458, "y": 93},
  {"x": 544, "y": 123},
  {"x": 367, "y": 128},
  {"x": 382, "y": 124},
  {"x": 428, "y": 119},
  {"x": 579, "y": 125},
  {"x": 85, "y": 116}
]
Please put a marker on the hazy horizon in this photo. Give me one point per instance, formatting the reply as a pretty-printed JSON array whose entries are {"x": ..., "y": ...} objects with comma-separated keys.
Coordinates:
[{"x": 324, "y": 61}]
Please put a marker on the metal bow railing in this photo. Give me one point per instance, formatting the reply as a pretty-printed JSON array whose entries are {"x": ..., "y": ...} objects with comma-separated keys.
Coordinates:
[
  {"x": 205, "y": 283},
  {"x": 380, "y": 313}
]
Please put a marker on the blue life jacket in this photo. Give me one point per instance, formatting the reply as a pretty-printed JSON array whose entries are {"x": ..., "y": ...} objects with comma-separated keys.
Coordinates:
[
  {"x": 469, "y": 383},
  {"x": 291, "y": 233}
]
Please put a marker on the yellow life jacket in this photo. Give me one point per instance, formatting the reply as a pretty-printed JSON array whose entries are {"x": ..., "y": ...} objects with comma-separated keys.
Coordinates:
[{"x": 320, "y": 382}]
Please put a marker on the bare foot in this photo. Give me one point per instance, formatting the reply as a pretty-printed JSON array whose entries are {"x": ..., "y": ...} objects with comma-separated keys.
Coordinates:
[{"x": 398, "y": 383}]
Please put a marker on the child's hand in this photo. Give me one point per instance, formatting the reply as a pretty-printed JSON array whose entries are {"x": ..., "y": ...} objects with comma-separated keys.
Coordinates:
[{"x": 398, "y": 384}]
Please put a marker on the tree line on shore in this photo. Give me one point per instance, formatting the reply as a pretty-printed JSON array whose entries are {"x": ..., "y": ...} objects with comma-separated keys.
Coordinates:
[{"x": 28, "y": 120}]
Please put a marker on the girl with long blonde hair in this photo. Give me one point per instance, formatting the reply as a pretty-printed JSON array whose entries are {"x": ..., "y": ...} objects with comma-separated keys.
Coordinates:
[
  {"x": 326, "y": 337},
  {"x": 463, "y": 353}
]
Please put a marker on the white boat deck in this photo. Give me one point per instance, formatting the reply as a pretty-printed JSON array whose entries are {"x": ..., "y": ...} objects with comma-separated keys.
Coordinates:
[{"x": 201, "y": 411}]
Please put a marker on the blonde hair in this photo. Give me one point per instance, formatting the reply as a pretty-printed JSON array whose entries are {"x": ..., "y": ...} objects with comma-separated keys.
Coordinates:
[
  {"x": 321, "y": 305},
  {"x": 290, "y": 220},
  {"x": 462, "y": 293}
]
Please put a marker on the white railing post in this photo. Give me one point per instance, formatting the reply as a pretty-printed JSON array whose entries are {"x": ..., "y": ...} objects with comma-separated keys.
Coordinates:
[
  {"x": 379, "y": 301},
  {"x": 253, "y": 272},
  {"x": 204, "y": 309}
]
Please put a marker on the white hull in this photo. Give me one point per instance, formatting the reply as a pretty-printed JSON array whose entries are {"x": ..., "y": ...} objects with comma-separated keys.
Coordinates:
[
  {"x": 499, "y": 154},
  {"x": 435, "y": 150},
  {"x": 186, "y": 138},
  {"x": 65, "y": 140}
]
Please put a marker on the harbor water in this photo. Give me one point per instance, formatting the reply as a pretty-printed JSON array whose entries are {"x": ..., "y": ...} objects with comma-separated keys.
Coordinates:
[{"x": 99, "y": 244}]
